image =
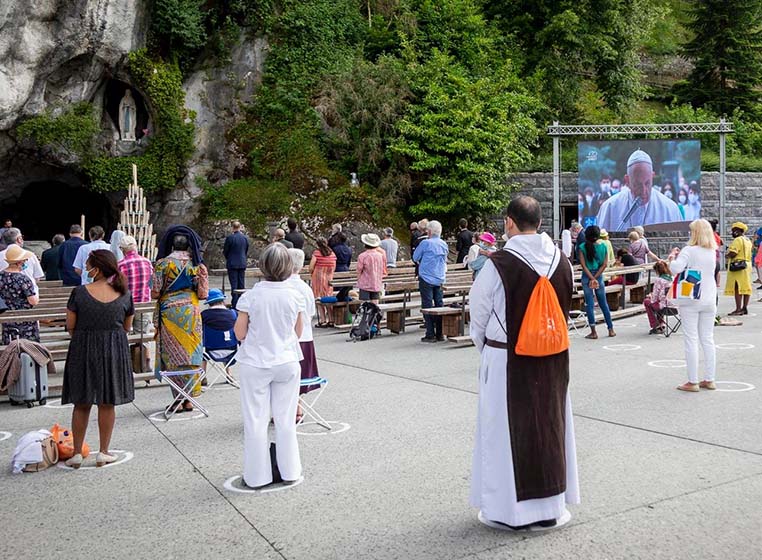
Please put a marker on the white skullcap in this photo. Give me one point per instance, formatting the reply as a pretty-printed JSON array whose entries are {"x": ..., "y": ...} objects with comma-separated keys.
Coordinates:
[{"x": 639, "y": 156}]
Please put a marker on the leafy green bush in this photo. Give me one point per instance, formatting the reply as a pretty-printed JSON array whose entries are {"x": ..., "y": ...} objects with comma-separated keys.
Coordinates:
[
  {"x": 72, "y": 131},
  {"x": 251, "y": 201}
]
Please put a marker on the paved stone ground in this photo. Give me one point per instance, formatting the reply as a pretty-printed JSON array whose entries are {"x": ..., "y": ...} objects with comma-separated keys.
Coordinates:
[{"x": 664, "y": 474}]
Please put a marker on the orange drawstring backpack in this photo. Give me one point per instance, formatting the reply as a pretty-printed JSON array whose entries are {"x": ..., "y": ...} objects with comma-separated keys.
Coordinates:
[{"x": 544, "y": 330}]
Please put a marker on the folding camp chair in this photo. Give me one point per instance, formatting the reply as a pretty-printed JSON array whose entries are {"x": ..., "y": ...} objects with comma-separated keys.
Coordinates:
[
  {"x": 220, "y": 350},
  {"x": 183, "y": 389},
  {"x": 308, "y": 405},
  {"x": 574, "y": 320},
  {"x": 670, "y": 318}
]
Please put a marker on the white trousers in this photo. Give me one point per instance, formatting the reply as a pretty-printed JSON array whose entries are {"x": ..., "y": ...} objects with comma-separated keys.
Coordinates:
[
  {"x": 269, "y": 393},
  {"x": 698, "y": 330}
]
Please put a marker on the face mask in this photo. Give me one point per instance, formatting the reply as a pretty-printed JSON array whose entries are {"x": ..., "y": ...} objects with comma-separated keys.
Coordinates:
[
  {"x": 615, "y": 190},
  {"x": 668, "y": 194},
  {"x": 581, "y": 205},
  {"x": 25, "y": 265},
  {"x": 693, "y": 198},
  {"x": 605, "y": 187},
  {"x": 681, "y": 198},
  {"x": 589, "y": 199},
  {"x": 88, "y": 278}
]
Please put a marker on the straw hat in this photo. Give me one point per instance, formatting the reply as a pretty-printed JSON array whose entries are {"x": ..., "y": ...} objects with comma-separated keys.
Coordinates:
[
  {"x": 604, "y": 234},
  {"x": 370, "y": 239},
  {"x": 16, "y": 254},
  {"x": 740, "y": 225}
]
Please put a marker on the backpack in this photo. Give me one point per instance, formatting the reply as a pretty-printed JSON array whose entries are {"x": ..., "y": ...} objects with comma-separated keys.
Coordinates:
[
  {"x": 366, "y": 322},
  {"x": 544, "y": 330}
]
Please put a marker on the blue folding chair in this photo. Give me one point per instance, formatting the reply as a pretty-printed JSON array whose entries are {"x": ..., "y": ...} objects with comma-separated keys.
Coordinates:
[
  {"x": 308, "y": 405},
  {"x": 220, "y": 350}
]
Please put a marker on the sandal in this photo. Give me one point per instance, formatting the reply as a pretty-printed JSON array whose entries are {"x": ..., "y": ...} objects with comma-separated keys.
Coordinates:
[
  {"x": 689, "y": 387},
  {"x": 592, "y": 336},
  {"x": 611, "y": 333},
  {"x": 708, "y": 385}
]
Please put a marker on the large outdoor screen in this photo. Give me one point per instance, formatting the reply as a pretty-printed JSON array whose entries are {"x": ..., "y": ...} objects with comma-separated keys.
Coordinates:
[{"x": 626, "y": 183}]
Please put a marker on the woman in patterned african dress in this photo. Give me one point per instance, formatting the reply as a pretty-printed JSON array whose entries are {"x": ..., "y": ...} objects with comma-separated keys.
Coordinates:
[{"x": 180, "y": 280}]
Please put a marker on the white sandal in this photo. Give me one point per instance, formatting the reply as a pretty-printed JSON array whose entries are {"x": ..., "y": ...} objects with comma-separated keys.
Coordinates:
[
  {"x": 75, "y": 462},
  {"x": 105, "y": 459}
]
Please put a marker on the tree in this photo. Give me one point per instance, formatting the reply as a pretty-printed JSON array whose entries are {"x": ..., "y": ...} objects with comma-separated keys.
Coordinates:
[
  {"x": 726, "y": 51},
  {"x": 463, "y": 136},
  {"x": 566, "y": 41}
]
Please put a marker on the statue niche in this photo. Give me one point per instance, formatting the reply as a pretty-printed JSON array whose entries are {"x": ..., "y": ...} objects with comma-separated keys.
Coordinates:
[{"x": 128, "y": 113}]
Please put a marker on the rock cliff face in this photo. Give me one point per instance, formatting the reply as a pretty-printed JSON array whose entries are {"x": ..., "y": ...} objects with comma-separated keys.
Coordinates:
[{"x": 54, "y": 53}]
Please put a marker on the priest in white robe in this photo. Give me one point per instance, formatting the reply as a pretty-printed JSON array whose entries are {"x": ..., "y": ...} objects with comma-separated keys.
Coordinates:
[{"x": 505, "y": 485}]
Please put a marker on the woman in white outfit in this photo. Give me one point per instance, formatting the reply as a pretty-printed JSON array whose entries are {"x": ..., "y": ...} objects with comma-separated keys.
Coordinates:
[
  {"x": 269, "y": 325},
  {"x": 698, "y": 314}
]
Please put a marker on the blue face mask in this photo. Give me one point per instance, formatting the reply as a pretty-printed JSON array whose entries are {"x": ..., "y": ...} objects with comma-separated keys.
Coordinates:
[
  {"x": 86, "y": 278},
  {"x": 25, "y": 265}
]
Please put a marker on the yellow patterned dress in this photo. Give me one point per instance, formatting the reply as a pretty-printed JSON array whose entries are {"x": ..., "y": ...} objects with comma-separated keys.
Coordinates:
[
  {"x": 741, "y": 246},
  {"x": 178, "y": 286}
]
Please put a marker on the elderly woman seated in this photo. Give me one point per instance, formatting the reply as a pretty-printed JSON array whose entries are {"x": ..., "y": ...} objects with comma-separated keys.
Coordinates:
[{"x": 658, "y": 298}]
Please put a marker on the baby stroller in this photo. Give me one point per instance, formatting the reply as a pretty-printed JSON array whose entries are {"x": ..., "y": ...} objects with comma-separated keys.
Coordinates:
[{"x": 366, "y": 323}]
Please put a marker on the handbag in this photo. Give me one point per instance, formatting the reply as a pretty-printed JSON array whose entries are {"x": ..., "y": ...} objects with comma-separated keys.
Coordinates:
[
  {"x": 686, "y": 285},
  {"x": 735, "y": 266}
]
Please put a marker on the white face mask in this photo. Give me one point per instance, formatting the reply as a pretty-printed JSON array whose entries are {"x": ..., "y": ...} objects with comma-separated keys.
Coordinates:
[
  {"x": 681, "y": 198},
  {"x": 693, "y": 198},
  {"x": 589, "y": 199},
  {"x": 668, "y": 194},
  {"x": 605, "y": 187}
]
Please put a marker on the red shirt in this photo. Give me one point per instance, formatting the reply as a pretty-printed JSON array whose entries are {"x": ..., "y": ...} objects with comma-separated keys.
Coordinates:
[
  {"x": 371, "y": 269},
  {"x": 138, "y": 271}
]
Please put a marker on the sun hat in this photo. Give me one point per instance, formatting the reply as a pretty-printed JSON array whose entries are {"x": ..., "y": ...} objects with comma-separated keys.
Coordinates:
[
  {"x": 370, "y": 239},
  {"x": 127, "y": 241},
  {"x": 16, "y": 254},
  {"x": 740, "y": 225},
  {"x": 488, "y": 237},
  {"x": 215, "y": 296},
  {"x": 604, "y": 234}
]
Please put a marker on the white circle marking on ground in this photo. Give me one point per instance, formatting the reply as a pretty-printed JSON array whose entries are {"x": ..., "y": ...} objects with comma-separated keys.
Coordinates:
[
  {"x": 343, "y": 427},
  {"x": 625, "y": 325},
  {"x": 158, "y": 416},
  {"x": 622, "y": 347},
  {"x": 667, "y": 363},
  {"x": 734, "y": 346},
  {"x": 228, "y": 485},
  {"x": 5, "y": 435},
  {"x": 746, "y": 386},
  {"x": 56, "y": 403},
  {"x": 127, "y": 456}
]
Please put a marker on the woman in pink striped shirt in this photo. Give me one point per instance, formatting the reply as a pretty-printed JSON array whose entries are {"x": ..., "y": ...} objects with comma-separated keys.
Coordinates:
[{"x": 371, "y": 269}]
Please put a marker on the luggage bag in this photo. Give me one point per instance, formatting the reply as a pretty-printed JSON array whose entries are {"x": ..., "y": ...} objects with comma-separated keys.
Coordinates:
[{"x": 32, "y": 384}]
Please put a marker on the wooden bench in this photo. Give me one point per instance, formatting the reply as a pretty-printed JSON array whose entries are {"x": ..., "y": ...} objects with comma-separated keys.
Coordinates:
[{"x": 453, "y": 319}]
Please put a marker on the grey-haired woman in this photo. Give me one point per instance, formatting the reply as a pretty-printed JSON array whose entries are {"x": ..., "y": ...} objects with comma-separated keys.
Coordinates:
[{"x": 269, "y": 325}]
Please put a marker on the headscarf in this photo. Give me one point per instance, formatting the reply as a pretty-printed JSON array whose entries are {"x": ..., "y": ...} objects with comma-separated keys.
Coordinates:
[
  {"x": 194, "y": 243},
  {"x": 116, "y": 237}
]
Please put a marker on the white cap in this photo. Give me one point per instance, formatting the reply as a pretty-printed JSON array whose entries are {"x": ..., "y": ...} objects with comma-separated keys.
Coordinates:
[{"x": 639, "y": 156}]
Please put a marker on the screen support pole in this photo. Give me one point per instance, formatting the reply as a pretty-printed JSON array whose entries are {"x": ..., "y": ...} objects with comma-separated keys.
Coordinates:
[
  {"x": 722, "y": 187},
  {"x": 556, "y": 185}
]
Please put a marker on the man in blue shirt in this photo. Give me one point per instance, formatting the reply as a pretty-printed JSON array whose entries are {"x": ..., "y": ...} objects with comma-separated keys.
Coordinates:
[
  {"x": 66, "y": 256},
  {"x": 431, "y": 256}
]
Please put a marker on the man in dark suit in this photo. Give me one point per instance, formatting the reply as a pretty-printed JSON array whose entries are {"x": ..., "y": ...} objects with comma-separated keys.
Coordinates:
[
  {"x": 294, "y": 235},
  {"x": 66, "y": 255},
  {"x": 235, "y": 250},
  {"x": 465, "y": 240}
]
